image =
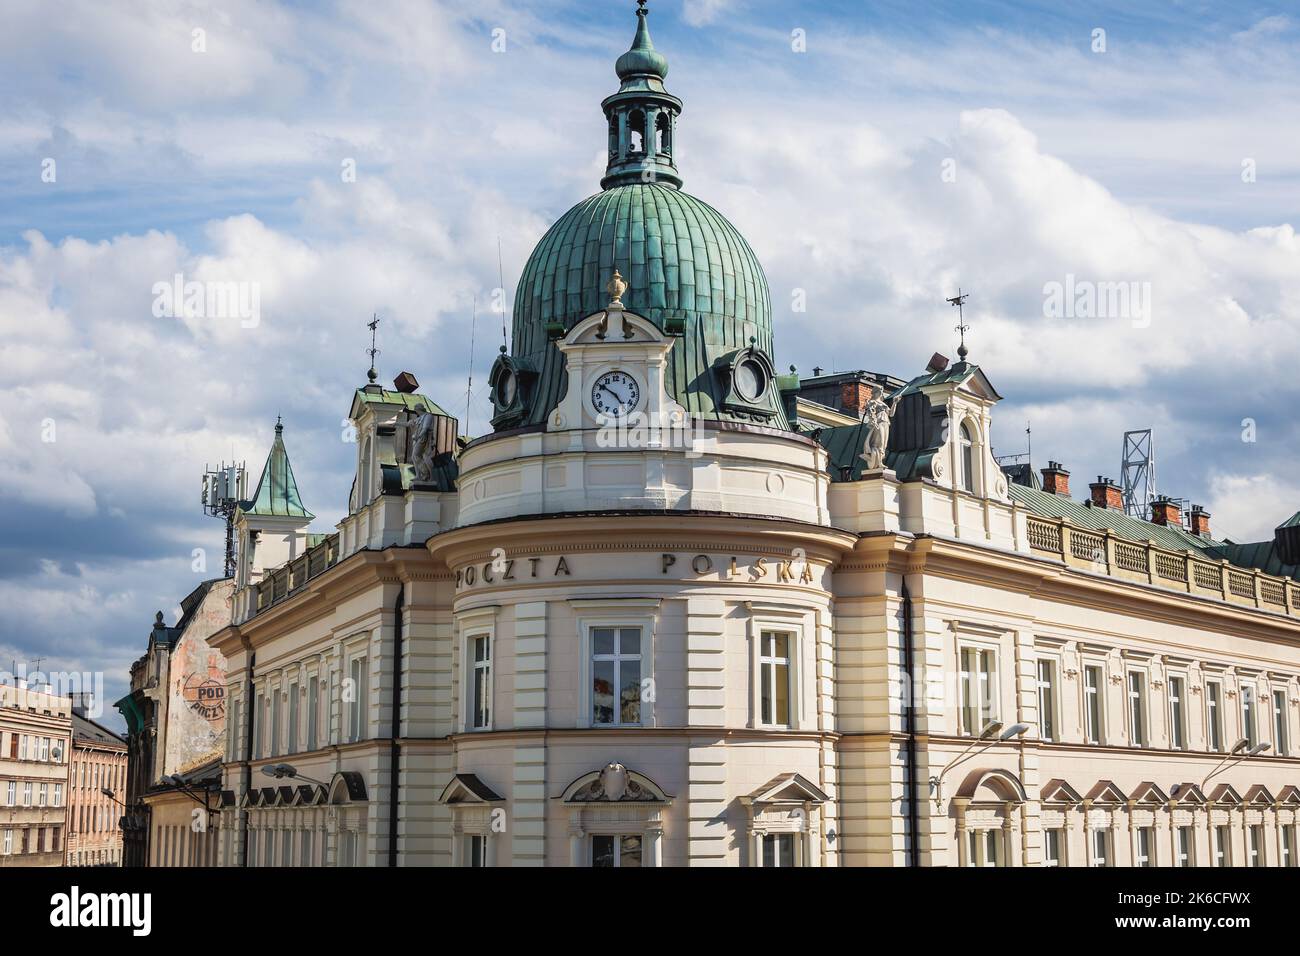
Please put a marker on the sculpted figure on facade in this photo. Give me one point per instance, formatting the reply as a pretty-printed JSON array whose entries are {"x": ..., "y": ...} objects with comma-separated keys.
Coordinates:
[{"x": 878, "y": 419}]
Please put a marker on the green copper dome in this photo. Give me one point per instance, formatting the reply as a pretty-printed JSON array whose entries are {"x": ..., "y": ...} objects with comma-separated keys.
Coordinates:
[{"x": 687, "y": 268}]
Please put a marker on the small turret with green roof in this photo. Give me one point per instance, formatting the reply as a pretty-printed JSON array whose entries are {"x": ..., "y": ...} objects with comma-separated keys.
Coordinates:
[{"x": 277, "y": 491}]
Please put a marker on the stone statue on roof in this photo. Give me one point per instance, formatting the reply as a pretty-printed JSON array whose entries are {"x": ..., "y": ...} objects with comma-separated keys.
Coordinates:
[
  {"x": 424, "y": 447},
  {"x": 877, "y": 417}
]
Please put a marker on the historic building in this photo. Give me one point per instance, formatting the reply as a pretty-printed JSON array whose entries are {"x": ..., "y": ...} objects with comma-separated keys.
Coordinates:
[
  {"x": 176, "y": 734},
  {"x": 96, "y": 781},
  {"x": 678, "y": 608},
  {"x": 35, "y": 734}
]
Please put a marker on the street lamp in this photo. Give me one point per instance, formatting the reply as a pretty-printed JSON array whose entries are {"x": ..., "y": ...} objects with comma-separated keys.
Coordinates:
[
  {"x": 988, "y": 737},
  {"x": 282, "y": 770},
  {"x": 112, "y": 796},
  {"x": 1239, "y": 752}
]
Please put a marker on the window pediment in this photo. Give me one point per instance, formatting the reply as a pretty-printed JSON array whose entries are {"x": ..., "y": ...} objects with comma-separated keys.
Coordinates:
[
  {"x": 790, "y": 788},
  {"x": 614, "y": 784},
  {"x": 468, "y": 788}
]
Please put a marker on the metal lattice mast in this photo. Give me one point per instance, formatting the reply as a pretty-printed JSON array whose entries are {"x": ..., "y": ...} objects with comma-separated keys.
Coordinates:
[{"x": 1138, "y": 473}]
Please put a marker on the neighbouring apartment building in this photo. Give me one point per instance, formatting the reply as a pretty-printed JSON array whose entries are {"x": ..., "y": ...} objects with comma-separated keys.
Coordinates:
[
  {"x": 678, "y": 608},
  {"x": 96, "y": 787},
  {"x": 35, "y": 734},
  {"x": 176, "y": 734}
]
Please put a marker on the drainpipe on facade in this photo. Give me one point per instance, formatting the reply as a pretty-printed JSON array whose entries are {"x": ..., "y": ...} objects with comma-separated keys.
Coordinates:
[
  {"x": 395, "y": 748},
  {"x": 249, "y": 718},
  {"x": 909, "y": 714}
]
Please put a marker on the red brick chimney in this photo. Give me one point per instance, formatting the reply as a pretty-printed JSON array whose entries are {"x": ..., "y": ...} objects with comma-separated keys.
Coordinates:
[
  {"x": 1200, "y": 521},
  {"x": 1106, "y": 494},
  {"x": 854, "y": 395},
  {"x": 1056, "y": 480},
  {"x": 1165, "y": 512}
]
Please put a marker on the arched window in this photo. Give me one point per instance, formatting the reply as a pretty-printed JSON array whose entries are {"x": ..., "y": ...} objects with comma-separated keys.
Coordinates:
[
  {"x": 636, "y": 131},
  {"x": 664, "y": 134},
  {"x": 365, "y": 469},
  {"x": 613, "y": 136},
  {"x": 967, "y": 459}
]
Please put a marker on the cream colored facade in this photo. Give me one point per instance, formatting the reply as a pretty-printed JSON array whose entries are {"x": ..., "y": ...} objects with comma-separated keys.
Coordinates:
[
  {"x": 99, "y": 763},
  {"x": 679, "y": 639}
]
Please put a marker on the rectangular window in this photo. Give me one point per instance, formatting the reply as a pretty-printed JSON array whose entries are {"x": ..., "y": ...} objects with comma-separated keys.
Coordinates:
[
  {"x": 306, "y": 843},
  {"x": 1046, "y": 700},
  {"x": 774, "y": 678},
  {"x": 1092, "y": 703},
  {"x": 1256, "y": 845},
  {"x": 476, "y": 849},
  {"x": 984, "y": 847},
  {"x": 44, "y": 795},
  {"x": 360, "y": 676},
  {"x": 621, "y": 851},
  {"x": 23, "y": 750},
  {"x": 45, "y": 748},
  {"x": 313, "y": 711},
  {"x": 294, "y": 704},
  {"x": 12, "y": 795},
  {"x": 616, "y": 678},
  {"x": 9, "y": 842},
  {"x": 1137, "y": 709},
  {"x": 232, "y": 733},
  {"x": 1177, "y": 720},
  {"x": 58, "y": 794},
  {"x": 13, "y": 746},
  {"x": 54, "y": 839},
  {"x": 1222, "y": 846},
  {"x": 1248, "y": 714},
  {"x": 1053, "y": 842},
  {"x": 1185, "y": 841},
  {"x": 275, "y": 750},
  {"x": 778, "y": 849},
  {"x": 258, "y": 727},
  {"x": 26, "y": 838},
  {"x": 480, "y": 676},
  {"x": 27, "y": 794},
  {"x": 1279, "y": 723},
  {"x": 1101, "y": 848},
  {"x": 978, "y": 689},
  {"x": 286, "y": 850},
  {"x": 1214, "y": 715},
  {"x": 1287, "y": 845},
  {"x": 1145, "y": 843}
]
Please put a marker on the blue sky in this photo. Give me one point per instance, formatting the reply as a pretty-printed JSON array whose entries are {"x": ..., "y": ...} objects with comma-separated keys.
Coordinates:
[{"x": 1115, "y": 165}]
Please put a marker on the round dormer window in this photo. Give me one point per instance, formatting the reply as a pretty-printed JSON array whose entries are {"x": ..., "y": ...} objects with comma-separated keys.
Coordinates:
[{"x": 751, "y": 380}]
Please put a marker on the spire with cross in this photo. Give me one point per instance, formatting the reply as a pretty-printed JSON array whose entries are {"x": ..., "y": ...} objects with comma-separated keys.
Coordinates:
[
  {"x": 372, "y": 325},
  {"x": 962, "y": 328}
]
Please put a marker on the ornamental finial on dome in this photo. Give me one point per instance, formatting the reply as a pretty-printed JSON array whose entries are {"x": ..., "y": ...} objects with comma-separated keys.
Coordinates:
[{"x": 642, "y": 59}]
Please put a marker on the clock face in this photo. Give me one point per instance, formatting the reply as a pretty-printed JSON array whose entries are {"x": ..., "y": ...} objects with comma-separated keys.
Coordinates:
[
  {"x": 751, "y": 380},
  {"x": 507, "y": 386},
  {"x": 615, "y": 394}
]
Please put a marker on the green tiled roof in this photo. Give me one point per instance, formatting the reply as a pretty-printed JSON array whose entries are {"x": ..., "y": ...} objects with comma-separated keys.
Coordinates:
[
  {"x": 277, "y": 492},
  {"x": 411, "y": 400},
  {"x": 1261, "y": 555},
  {"x": 1172, "y": 537},
  {"x": 684, "y": 264}
]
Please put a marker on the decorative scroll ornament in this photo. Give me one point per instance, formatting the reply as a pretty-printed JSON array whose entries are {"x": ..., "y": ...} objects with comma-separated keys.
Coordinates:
[{"x": 613, "y": 785}]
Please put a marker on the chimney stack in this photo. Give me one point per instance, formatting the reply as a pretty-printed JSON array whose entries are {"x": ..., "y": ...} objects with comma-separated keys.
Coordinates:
[
  {"x": 854, "y": 395},
  {"x": 1056, "y": 480},
  {"x": 1200, "y": 521},
  {"x": 1164, "y": 511},
  {"x": 1106, "y": 494}
]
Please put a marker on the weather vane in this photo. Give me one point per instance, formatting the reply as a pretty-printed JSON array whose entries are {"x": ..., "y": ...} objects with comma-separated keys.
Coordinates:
[
  {"x": 962, "y": 328},
  {"x": 372, "y": 325}
]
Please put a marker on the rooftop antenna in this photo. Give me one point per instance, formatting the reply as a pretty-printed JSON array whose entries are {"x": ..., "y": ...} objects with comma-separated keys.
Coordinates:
[
  {"x": 1138, "y": 473},
  {"x": 1029, "y": 443},
  {"x": 962, "y": 328},
  {"x": 223, "y": 489},
  {"x": 501, "y": 279},
  {"x": 373, "y": 326},
  {"x": 469, "y": 383}
]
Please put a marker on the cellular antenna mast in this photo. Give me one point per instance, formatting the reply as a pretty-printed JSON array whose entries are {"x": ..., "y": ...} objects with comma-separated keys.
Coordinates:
[
  {"x": 224, "y": 488},
  {"x": 373, "y": 326},
  {"x": 962, "y": 328},
  {"x": 1138, "y": 473}
]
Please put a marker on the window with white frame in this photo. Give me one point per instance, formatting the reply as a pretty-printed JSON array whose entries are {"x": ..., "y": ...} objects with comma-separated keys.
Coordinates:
[
  {"x": 1101, "y": 847},
  {"x": 1248, "y": 714},
  {"x": 233, "y": 736},
  {"x": 984, "y": 847},
  {"x": 979, "y": 679},
  {"x": 44, "y": 795},
  {"x": 305, "y": 847},
  {"x": 1214, "y": 715},
  {"x": 27, "y": 793},
  {"x": 480, "y": 682},
  {"x": 259, "y": 726},
  {"x": 58, "y": 795},
  {"x": 1279, "y": 723},
  {"x": 778, "y": 849},
  {"x": 295, "y": 704},
  {"x": 45, "y": 748},
  {"x": 313, "y": 712},
  {"x": 616, "y": 850},
  {"x": 1145, "y": 846},
  {"x": 1185, "y": 845},
  {"x": 11, "y": 797},
  {"x": 1286, "y": 845},
  {"x": 1046, "y": 699},
  {"x": 1054, "y": 847},
  {"x": 1222, "y": 846},
  {"x": 476, "y": 849},
  {"x": 8, "y": 842},
  {"x": 1257, "y": 845},
  {"x": 616, "y": 676},
  {"x": 359, "y": 675},
  {"x": 274, "y": 750},
  {"x": 967, "y": 442},
  {"x": 1137, "y": 709},
  {"x": 1094, "y": 707},
  {"x": 286, "y": 849},
  {"x": 1177, "y": 714},
  {"x": 774, "y": 655}
]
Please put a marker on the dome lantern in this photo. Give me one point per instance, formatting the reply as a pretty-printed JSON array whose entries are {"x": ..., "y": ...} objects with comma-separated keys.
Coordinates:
[{"x": 642, "y": 116}]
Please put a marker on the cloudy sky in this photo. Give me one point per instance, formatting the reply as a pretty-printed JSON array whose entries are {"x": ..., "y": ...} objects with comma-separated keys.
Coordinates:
[{"x": 876, "y": 154}]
